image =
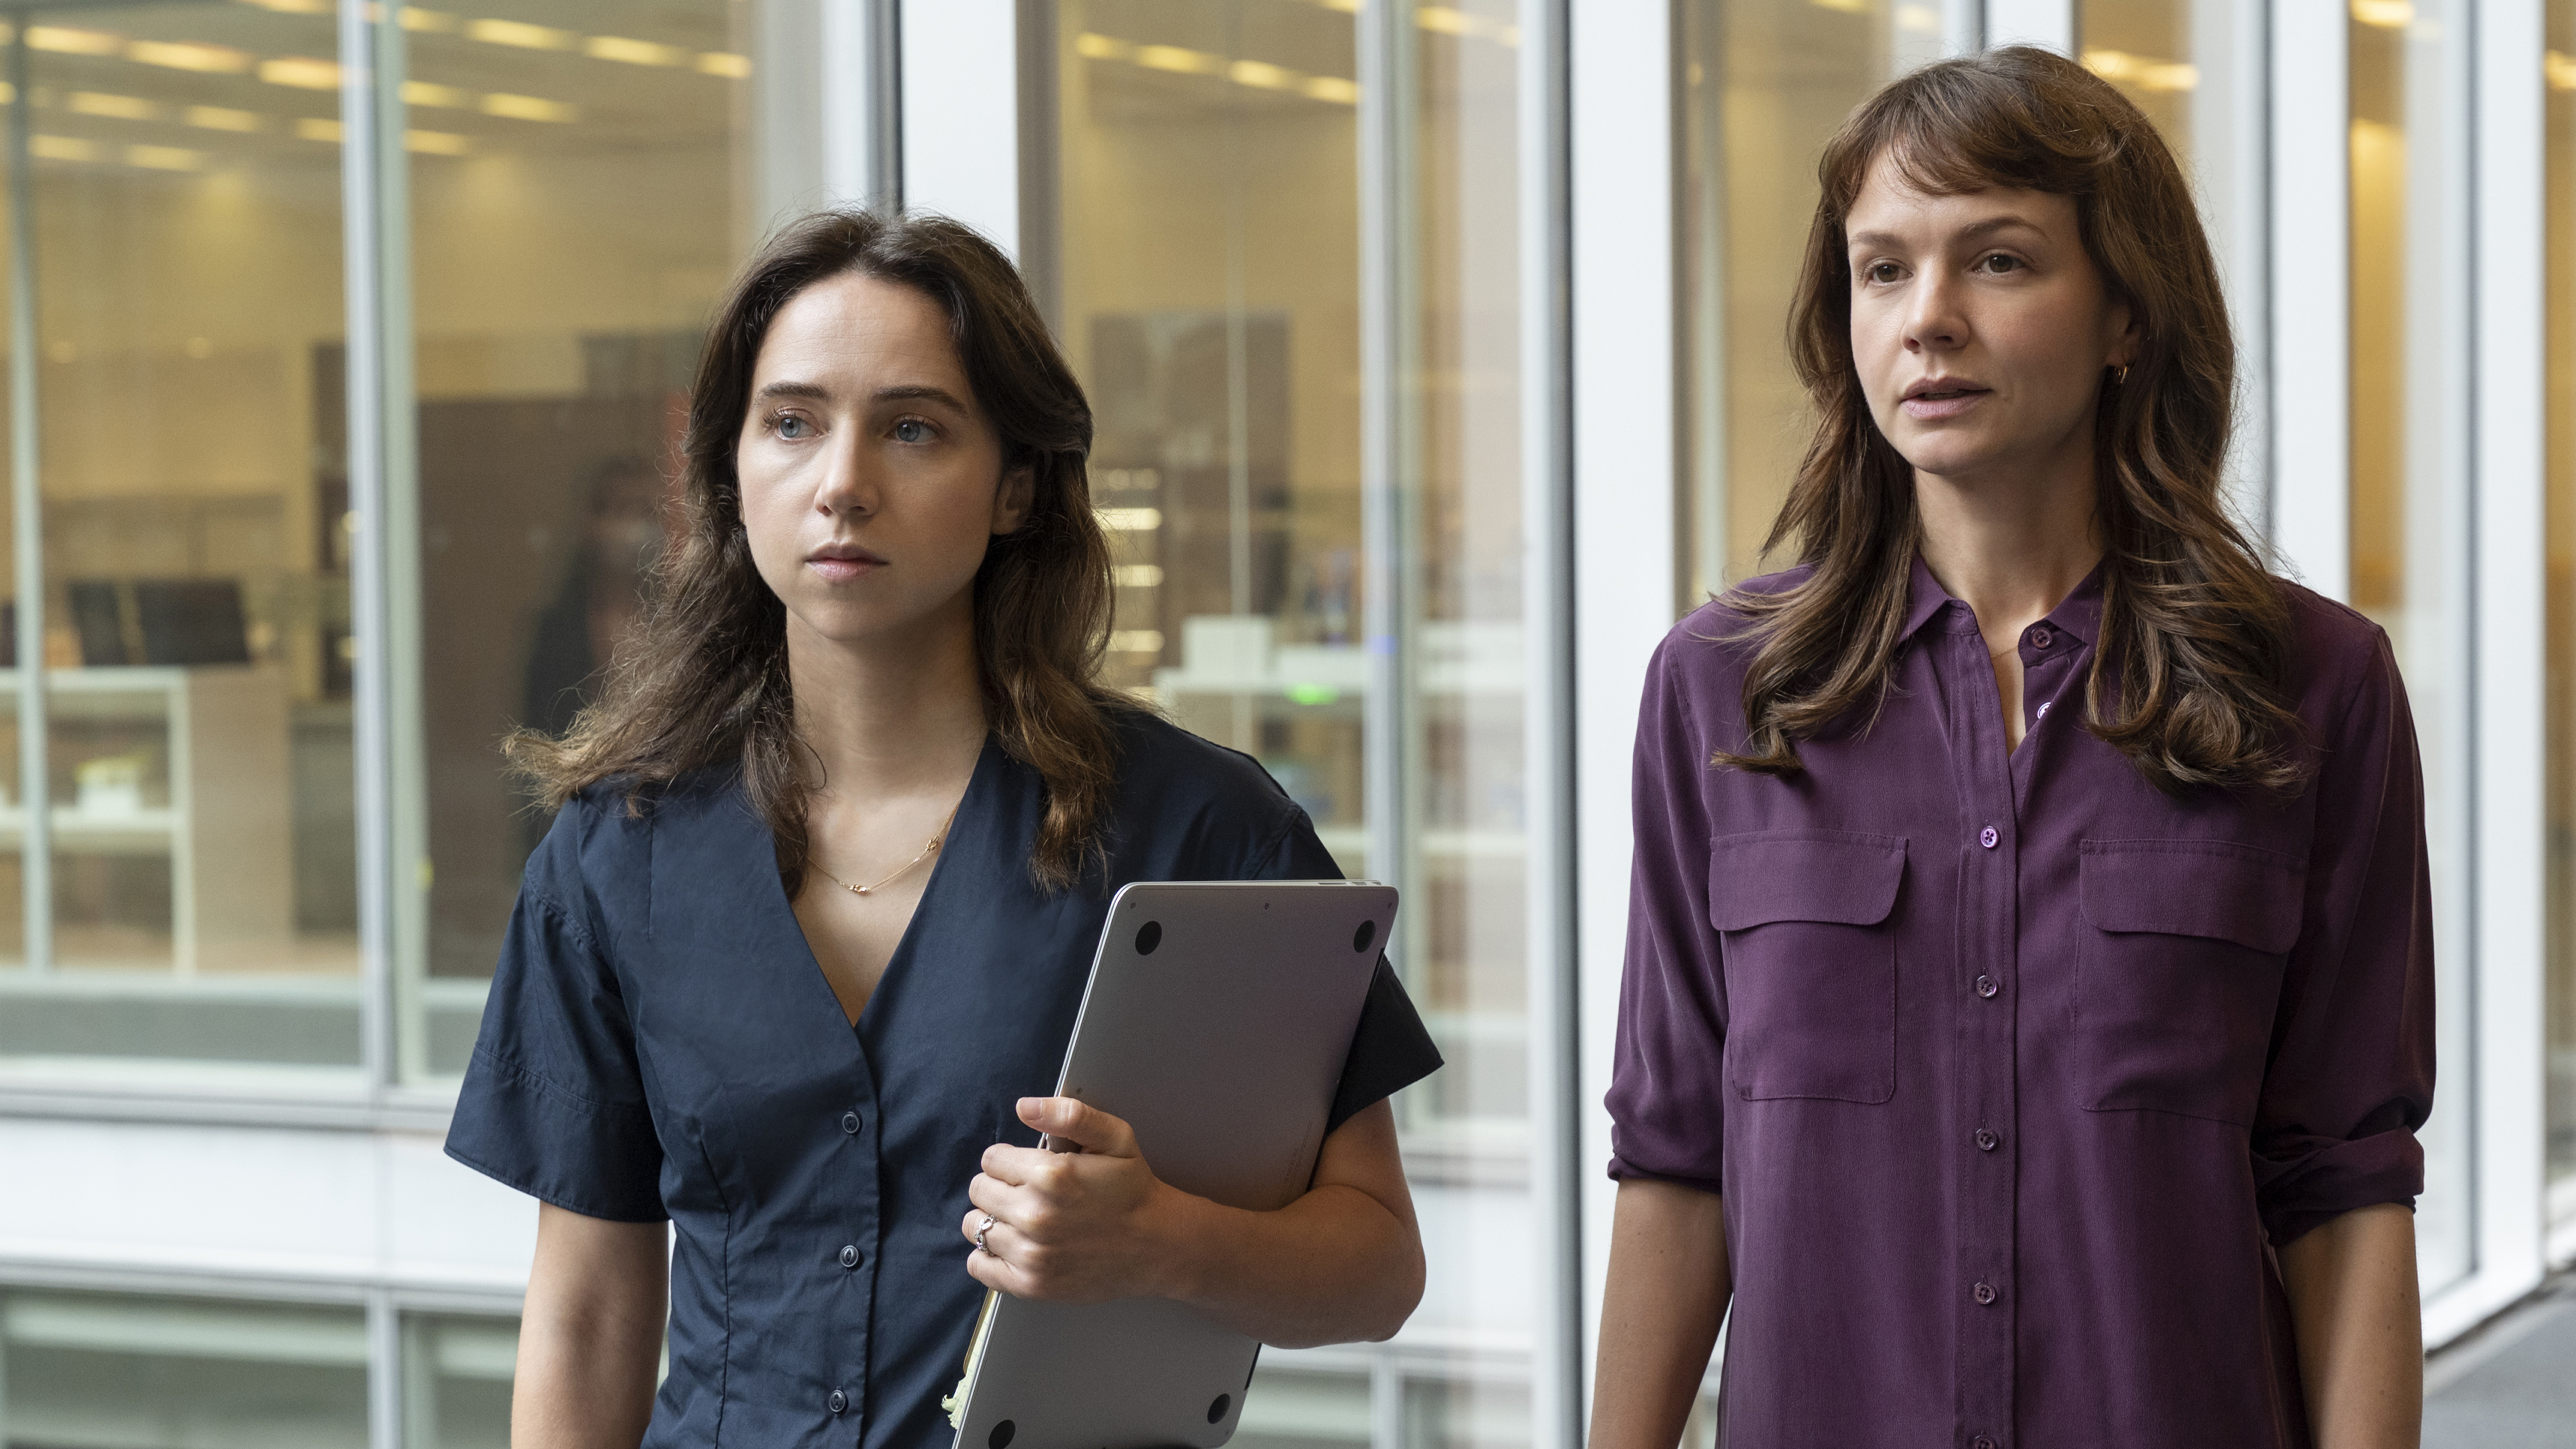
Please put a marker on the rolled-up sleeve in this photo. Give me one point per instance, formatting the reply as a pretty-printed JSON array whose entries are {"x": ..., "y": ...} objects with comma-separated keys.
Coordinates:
[
  {"x": 2351, "y": 1072},
  {"x": 553, "y": 1100},
  {"x": 1666, "y": 1098}
]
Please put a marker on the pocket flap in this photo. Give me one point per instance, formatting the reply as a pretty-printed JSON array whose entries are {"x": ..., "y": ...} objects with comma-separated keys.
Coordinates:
[
  {"x": 1803, "y": 875},
  {"x": 2241, "y": 893}
]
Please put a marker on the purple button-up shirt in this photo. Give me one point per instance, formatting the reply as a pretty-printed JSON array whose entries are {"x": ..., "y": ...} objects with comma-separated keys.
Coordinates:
[{"x": 2009, "y": 1066}]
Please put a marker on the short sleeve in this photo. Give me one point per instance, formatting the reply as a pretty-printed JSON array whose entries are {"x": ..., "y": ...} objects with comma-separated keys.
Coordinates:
[
  {"x": 1391, "y": 1049},
  {"x": 2351, "y": 1072},
  {"x": 1666, "y": 1099},
  {"x": 553, "y": 1101}
]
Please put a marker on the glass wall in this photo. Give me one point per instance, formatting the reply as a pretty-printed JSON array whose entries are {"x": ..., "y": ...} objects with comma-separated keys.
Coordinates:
[
  {"x": 175, "y": 395},
  {"x": 583, "y": 178},
  {"x": 1210, "y": 248},
  {"x": 2559, "y": 73},
  {"x": 1765, "y": 83},
  {"x": 2410, "y": 486},
  {"x": 178, "y": 1373}
]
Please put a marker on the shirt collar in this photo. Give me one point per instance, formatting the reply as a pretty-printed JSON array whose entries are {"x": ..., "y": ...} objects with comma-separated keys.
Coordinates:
[{"x": 2078, "y": 614}]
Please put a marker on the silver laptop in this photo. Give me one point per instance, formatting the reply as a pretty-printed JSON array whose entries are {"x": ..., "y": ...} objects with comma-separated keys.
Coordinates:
[{"x": 1216, "y": 1024}]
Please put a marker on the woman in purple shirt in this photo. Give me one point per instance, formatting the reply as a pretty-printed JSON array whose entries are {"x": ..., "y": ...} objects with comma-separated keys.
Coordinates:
[{"x": 2029, "y": 991}]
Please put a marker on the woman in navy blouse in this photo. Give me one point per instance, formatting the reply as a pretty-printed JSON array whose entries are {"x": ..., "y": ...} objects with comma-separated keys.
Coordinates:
[
  {"x": 2028, "y": 1000},
  {"x": 796, "y": 966}
]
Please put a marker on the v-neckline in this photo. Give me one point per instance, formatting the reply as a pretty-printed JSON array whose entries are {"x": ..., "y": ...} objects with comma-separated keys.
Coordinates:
[{"x": 966, "y": 819}]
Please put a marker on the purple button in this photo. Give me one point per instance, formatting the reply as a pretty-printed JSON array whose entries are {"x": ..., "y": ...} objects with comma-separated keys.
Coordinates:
[
  {"x": 2040, "y": 638},
  {"x": 1981, "y": 1442},
  {"x": 1987, "y": 837},
  {"x": 1986, "y": 1139},
  {"x": 1986, "y": 986},
  {"x": 2043, "y": 708},
  {"x": 1985, "y": 1293}
]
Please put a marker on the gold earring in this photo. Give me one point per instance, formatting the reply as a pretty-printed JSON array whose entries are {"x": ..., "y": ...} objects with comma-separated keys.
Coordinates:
[{"x": 2120, "y": 375}]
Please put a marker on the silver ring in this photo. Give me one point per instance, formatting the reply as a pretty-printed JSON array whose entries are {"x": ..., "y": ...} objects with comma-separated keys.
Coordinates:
[{"x": 981, "y": 1229}]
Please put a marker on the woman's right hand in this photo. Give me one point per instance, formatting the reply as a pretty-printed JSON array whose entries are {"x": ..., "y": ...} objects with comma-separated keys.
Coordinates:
[{"x": 590, "y": 1338}]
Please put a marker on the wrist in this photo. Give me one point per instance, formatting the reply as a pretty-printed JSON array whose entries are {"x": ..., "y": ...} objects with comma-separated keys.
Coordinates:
[{"x": 1180, "y": 1241}]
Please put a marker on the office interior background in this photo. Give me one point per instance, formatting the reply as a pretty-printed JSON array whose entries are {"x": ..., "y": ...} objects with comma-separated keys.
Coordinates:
[{"x": 1436, "y": 354}]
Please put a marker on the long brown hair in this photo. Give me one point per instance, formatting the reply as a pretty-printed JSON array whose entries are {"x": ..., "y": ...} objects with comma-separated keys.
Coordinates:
[
  {"x": 2188, "y": 678},
  {"x": 703, "y": 678}
]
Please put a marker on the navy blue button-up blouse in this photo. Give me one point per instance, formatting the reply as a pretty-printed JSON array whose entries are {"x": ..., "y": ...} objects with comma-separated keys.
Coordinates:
[
  {"x": 661, "y": 1043},
  {"x": 2007, "y": 1064}
]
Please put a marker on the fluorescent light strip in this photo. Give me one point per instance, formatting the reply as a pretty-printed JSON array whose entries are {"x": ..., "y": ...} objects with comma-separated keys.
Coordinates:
[{"x": 1254, "y": 74}]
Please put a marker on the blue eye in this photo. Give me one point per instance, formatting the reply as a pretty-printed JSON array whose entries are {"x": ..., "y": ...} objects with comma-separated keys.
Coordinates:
[
  {"x": 792, "y": 426},
  {"x": 912, "y": 430}
]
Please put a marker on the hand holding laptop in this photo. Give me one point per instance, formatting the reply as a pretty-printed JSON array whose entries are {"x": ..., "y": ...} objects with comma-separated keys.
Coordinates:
[{"x": 1081, "y": 1220}]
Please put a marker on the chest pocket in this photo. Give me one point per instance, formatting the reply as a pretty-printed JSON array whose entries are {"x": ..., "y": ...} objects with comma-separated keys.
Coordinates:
[
  {"x": 1810, "y": 952},
  {"x": 2179, "y": 972}
]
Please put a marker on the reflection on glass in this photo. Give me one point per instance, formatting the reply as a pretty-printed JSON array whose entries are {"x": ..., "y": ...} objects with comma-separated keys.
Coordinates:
[
  {"x": 175, "y": 1373},
  {"x": 456, "y": 1381},
  {"x": 581, "y": 188},
  {"x": 185, "y": 199},
  {"x": 2559, "y": 61},
  {"x": 1210, "y": 266},
  {"x": 1765, "y": 83},
  {"x": 2409, "y": 445},
  {"x": 1297, "y": 1409}
]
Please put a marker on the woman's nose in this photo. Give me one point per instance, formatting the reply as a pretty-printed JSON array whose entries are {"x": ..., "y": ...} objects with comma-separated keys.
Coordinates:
[{"x": 849, "y": 484}]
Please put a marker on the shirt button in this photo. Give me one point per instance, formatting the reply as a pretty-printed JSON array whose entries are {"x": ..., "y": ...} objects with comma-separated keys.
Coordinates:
[
  {"x": 837, "y": 1402},
  {"x": 1985, "y": 1293},
  {"x": 1987, "y": 837},
  {"x": 1986, "y": 986},
  {"x": 2040, "y": 638},
  {"x": 850, "y": 1120},
  {"x": 849, "y": 1256},
  {"x": 2043, "y": 709},
  {"x": 1986, "y": 1139},
  {"x": 1981, "y": 1442}
]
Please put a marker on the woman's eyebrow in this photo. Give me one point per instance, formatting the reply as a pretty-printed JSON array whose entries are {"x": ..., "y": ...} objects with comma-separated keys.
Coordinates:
[
  {"x": 1972, "y": 231},
  {"x": 920, "y": 392}
]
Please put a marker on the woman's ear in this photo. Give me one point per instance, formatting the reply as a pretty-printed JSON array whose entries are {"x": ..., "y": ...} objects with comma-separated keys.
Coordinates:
[{"x": 1013, "y": 501}]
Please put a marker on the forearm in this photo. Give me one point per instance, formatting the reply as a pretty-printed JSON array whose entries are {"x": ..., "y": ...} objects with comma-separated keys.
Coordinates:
[
  {"x": 1335, "y": 1266},
  {"x": 1668, "y": 1287},
  {"x": 590, "y": 1335},
  {"x": 2359, "y": 1327}
]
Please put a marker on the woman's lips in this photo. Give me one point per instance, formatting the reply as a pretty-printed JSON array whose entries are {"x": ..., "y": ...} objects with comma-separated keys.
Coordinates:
[
  {"x": 1948, "y": 403},
  {"x": 841, "y": 570}
]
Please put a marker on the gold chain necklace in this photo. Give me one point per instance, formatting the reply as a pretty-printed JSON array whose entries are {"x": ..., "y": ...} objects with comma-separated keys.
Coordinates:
[{"x": 900, "y": 871}]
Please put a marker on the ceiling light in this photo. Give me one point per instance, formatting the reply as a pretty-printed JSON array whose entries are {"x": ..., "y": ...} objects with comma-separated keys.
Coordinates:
[
  {"x": 210, "y": 59},
  {"x": 1102, "y": 47},
  {"x": 633, "y": 52},
  {"x": 2171, "y": 76},
  {"x": 315, "y": 128},
  {"x": 293, "y": 7},
  {"x": 301, "y": 72},
  {"x": 731, "y": 67},
  {"x": 1262, "y": 74},
  {"x": 65, "y": 41},
  {"x": 434, "y": 22},
  {"x": 165, "y": 158},
  {"x": 2386, "y": 14},
  {"x": 1131, "y": 520},
  {"x": 521, "y": 34},
  {"x": 1179, "y": 59},
  {"x": 222, "y": 118},
  {"x": 2560, "y": 67},
  {"x": 1848, "y": 7},
  {"x": 2112, "y": 65},
  {"x": 425, "y": 93},
  {"x": 437, "y": 143},
  {"x": 123, "y": 108},
  {"x": 1331, "y": 88},
  {"x": 528, "y": 108},
  {"x": 62, "y": 148}
]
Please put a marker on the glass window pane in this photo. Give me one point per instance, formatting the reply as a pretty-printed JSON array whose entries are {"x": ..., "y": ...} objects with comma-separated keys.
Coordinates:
[
  {"x": 456, "y": 1381},
  {"x": 582, "y": 183},
  {"x": 1295, "y": 1408},
  {"x": 1766, "y": 82},
  {"x": 177, "y": 1373},
  {"x": 2560, "y": 157},
  {"x": 185, "y": 214},
  {"x": 2410, "y": 279}
]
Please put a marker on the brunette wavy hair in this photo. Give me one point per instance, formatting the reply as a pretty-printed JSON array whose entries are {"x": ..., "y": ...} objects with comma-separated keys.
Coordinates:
[
  {"x": 703, "y": 679},
  {"x": 2188, "y": 679}
]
